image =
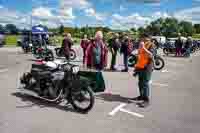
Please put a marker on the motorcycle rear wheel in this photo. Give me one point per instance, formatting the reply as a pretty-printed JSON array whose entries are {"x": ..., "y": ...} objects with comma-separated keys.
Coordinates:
[
  {"x": 159, "y": 63},
  {"x": 132, "y": 59}
]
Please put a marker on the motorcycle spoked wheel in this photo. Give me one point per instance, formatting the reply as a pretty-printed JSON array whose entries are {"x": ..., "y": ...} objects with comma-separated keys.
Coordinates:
[
  {"x": 159, "y": 63},
  {"x": 132, "y": 59},
  {"x": 72, "y": 54},
  {"x": 58, "y": 52},
  {"x": 166, "y": 51},
  {"x": 49, "y": 56},
  {"x": 79, "y": 97}
]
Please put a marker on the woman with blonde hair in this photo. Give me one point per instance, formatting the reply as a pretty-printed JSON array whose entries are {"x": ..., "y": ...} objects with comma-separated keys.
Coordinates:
[{"x": 96, "y": 53}]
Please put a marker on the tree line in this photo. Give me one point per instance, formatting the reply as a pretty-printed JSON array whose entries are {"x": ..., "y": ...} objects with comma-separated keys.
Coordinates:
[{"x": 168, "y": 27}]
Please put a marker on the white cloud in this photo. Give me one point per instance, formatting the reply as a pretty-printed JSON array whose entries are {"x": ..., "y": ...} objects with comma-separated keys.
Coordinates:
[
  {"x": 191, "y": 14},
  {"x": 80, "y": 4},
  {"x": 90, "y": 12},
  {"x": 1, "y": 6},
  {"x": 42, "y": 13},
  {"x": 126, "y": 22}
]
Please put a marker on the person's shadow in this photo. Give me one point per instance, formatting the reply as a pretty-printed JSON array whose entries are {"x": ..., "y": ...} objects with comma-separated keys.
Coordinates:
[
  {"x": 113, "y": 98},
  {"x": 41, "y": 103}
]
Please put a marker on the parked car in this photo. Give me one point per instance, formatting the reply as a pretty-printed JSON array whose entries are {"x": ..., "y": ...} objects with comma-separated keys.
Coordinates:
[{"x": 2, "y": 40}]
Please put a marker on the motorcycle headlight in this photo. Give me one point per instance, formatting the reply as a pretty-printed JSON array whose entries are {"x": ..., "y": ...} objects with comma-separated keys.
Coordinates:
[
  {"x": 75, "y": 69},
  {"x": 30, "y": 44}
]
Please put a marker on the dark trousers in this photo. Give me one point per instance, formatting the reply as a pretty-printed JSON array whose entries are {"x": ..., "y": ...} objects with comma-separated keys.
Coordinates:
[
  {"x": 113, "y": 60},
  {"x": 84, "y": 55},
  {"x": 126, "y": 61},
  {"x": 144, "y": 78}
]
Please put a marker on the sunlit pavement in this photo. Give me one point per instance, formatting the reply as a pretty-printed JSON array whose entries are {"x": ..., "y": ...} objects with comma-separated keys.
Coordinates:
[{"x": 174, "y": 106}]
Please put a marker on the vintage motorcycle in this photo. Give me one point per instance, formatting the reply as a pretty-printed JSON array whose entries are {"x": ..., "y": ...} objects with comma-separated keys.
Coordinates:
[
  {"x": 58, "y": 81},
  {"x": 158, "y": 61},
  {"x": 60, "y": 53}
]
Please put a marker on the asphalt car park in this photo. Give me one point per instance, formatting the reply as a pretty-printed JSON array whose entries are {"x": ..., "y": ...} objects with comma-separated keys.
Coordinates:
[{"x": 174, "y": 106}]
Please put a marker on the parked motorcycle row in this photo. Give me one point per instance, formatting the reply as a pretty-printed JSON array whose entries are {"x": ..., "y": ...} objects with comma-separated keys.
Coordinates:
[
  {"x": 170, "y": 49},
  {"x": 41, "y": 51}
]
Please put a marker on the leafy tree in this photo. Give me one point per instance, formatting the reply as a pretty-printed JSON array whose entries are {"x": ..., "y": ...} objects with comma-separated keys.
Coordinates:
[
  {"x": 11, "y": 28},
  {"x": 141, "y": 30},
  {"x": 197, "y": 28},
  {"x": 185, "y": 28},
  {"x": 61, "y": 29},
  {"x": 2, "y": 30},
  {"x": 170, "y": 27}
]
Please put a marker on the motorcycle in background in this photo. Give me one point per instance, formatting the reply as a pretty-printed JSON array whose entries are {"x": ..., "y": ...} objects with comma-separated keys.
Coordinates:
[
  {"x": 60, "y": 53},
  {"x": 158, "y": 61}
]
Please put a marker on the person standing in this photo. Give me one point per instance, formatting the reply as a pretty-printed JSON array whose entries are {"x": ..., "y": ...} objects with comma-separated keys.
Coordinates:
[
  {"x": 84, "y": 44},
  {"x": 126, "y": 49},
  {"x": 178, "y": 45},
  {"x": 96, "y": 53},
  {"x": 188, "y": 46},
  {"x": 144, "y": 69},
  {"x": 66, "y": 45},
  {"x": 114, "y": 45}
]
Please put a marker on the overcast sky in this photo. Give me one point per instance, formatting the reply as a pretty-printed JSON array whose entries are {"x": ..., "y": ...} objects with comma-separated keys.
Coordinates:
[{"x": 121, "y": 14}]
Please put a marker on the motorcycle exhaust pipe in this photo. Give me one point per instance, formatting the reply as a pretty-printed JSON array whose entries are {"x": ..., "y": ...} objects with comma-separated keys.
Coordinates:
[{"x": 36, "y": 95}]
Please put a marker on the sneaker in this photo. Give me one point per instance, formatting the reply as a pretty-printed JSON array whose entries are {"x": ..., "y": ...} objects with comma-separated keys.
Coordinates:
[
  {"x": 143, "y": 104},
  {"x": 139, "y": 98}
]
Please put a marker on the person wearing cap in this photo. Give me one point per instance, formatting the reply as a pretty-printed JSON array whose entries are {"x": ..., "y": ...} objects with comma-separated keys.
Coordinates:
[
  {"x": 84, "y": 45},
  {"x": 96, "y": 53},
  {"x": 66, "y": 45},
  {"x": 144, "y": 69},
  {"x": 188, "y": 46},
  {"x": 114, "y": 45}
]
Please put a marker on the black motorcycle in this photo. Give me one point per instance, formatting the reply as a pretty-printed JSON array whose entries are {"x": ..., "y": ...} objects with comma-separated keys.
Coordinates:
[
  {"x": 58, "y": 83},
  {"x": 158, "y": 61},
  {"x": 60, "y": 53}
]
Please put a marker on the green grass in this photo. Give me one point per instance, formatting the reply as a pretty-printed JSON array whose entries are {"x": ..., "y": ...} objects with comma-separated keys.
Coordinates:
[
  {"x": 196, "y": 36},
  {"x": 11, "y": 40}
]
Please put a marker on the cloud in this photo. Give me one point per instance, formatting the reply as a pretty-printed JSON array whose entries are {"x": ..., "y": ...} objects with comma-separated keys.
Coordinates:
[
  {"x": 42, "y": 13},
  {"x": 135, "y": 20},
  {"x": 191, "y": 14},
  {"x": 90, "y": 12},
  {"x": 80, "y": 4},
  {"x": 126, "y": 22}
]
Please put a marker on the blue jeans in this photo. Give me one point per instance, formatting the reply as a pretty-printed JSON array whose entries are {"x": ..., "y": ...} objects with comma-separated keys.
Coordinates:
[
  {"x": 188, "y": 51},
  {"x": 126, "y": 61}
]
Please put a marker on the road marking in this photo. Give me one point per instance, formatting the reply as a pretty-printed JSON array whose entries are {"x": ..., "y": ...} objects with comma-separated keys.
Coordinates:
[
  {"x": 157, "y": 84},
  {"x": 132, "y": 113},
  {"x": 3, "y": 70},
  {"x": 165, "y": 71},
  {"x": 117, "y": 109},
  {"x": 120, "y": 108}
]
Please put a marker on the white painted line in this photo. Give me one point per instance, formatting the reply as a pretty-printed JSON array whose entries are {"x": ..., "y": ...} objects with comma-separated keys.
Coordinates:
[
  {"x": 165, "y": 71},
  {"x": 115, "y": 110},
  {"x": 158, "y": 84},
  {"x": 132, "y": 113},
  {"x": 3, "y": 70}
]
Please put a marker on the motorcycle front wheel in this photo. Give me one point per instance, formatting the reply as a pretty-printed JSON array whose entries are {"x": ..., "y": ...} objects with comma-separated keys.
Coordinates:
[
  {"x": 159, "y": 63},
  {"x": 78, "y": 99}
]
